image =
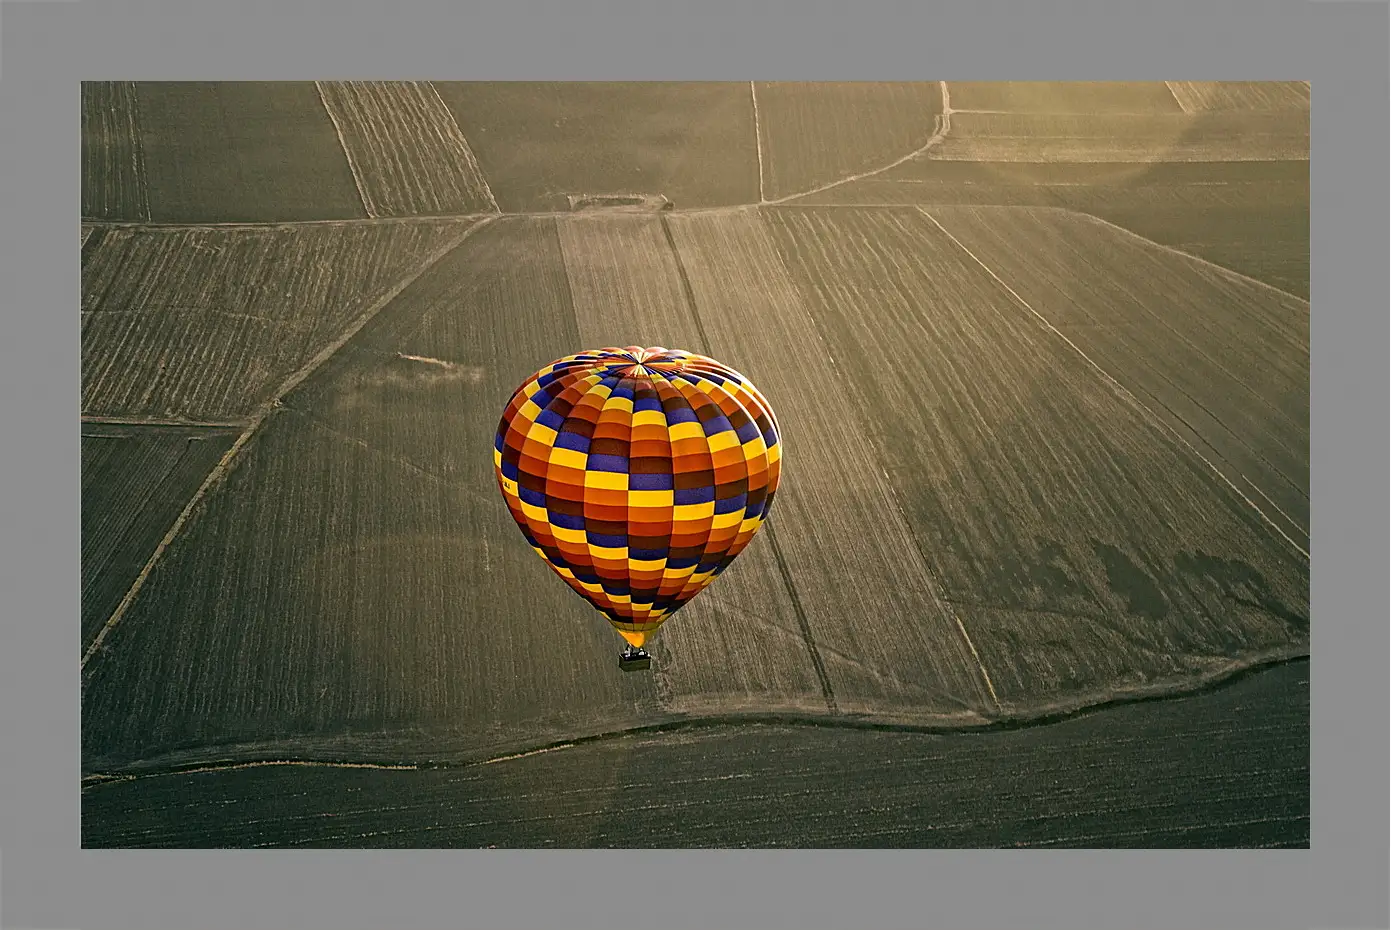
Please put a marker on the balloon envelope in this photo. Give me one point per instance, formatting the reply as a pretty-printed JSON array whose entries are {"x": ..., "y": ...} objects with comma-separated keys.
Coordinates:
[{"x": 638, "y": 474}]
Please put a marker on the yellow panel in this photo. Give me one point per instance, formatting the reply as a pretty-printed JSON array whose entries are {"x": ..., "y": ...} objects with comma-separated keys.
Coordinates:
[
  {"x": 689, "y": 512},
  {"x": 726, "y": 520},
  {"x": 536, "y": 513},
  {"x": 564, "y": 534},
  {"x": 646, "y": 565},
  {"x": 510, "y": 487},
  {"x": 726, "y": 440},
  {"x": 624, "y": 404},
  {"x": 568, "y": 457},
  {"x": 609, "y": 480},
  {"x": 609, "y": 554},
  {"x": 651, "y": 498},
  {"x": 649, "y": 418},
  {"x": 686, "y": 431},
  {"x": 529, "y": 411},
  {"x": 542, "y": 434}
]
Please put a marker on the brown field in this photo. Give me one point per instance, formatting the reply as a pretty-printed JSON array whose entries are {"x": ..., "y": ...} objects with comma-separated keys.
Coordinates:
[
  {"x": 1199, "y": 96},
  {"x": 871, "y": 604},
  {"x": 1034, "y": 462},
  {"x": 1201, "y": 137},
  {"x": 1226, "y": 361},
  {"x": 135, "y": 480},
  {"x": 1089, "y": 97},
  {"x": 1070, "y": 532},
  {"x": 114, "y": 177},
  {"x": 1251, "y": 217},
  {"x": 355, "y": 578},
  {"x": 242, "y": 152},
  {"x": 1229, "y": 768},
  {"x": 1011, "y": 516},
  {"x": 405, "y": 150},
  {"x": 202, "y": 324},
  {"x": 536, "y": 143},
  {"x": 813, "y": 134}
]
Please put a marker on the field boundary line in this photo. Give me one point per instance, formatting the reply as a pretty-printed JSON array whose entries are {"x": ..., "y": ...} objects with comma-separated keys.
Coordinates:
[
  {"x": 418, "y": 219},
  {"x": 1154, "y": 417},
  {"x": 1245, "y": 279},
  {"x": 1169, "y": 85},
  {"x": 757, "y": 140},
  {"x": 347, "y": 153},
  {"x": 1197, "y": 685},
  {"x": 260, "y": 416},
  {"x": 942, "y": 126},
  {"x": 142, "y": 173},
  {"x": 97, "y": 420},
  {"x": 468, "y": 149}
]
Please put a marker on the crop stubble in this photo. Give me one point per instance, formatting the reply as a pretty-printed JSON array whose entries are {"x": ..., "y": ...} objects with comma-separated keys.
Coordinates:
[
  {"x": 1229, "y": 768},
  {"x": 536, "y": 142},
  {"x": 134, "y": 482},
  {"x": 356, "y": 581},
  {"x": 1088, "y": 97},
  {"x": 888, "y": 642},
  {"x": 202, "y": 323},
  {"x": 1198, "y": 137},
  {"x": 814, "y": 133},
  {"x": 114, "y": 185},
  {"x": 1086, "y": 551},
  {"x": 1199, "y": 96},
  {"x": 331, "y": 595},
  {"x": 1251, "y": 217},
  {"x": 737, "y": 645},
  {"x": 242, "y": 152},
  {"x": 1227, "y": 358},
  {"x": 407, "y": 153}
]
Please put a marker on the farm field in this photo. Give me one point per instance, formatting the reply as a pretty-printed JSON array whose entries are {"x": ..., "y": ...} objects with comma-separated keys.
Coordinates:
[
  {"x": 1070, "y": 534},
  {"x": 406, "y": 153},
  {"x": 816, "y": 133},
  {"x": 1083, "y": 97},
  {"x": 203, "y": 324},
  {"x": 242, "y": 152},
  {"x": 1196, "y": 137},
  {"x": 536, "y": 143},
  {"x": 114, "y": 178},
  {"x": 1043, "y": 387},
  {"x": 1251, "y": 217},
  {"x": 135, "y": 480},
  {"x": 1222, "y": 357},
  {"x": 1225, "y": 768},
  {"x": 1197, "y": 96},
  {"x": 373, "y": 481}
]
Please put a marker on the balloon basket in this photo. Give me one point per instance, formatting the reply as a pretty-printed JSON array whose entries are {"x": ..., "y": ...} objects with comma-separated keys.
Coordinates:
[{"x": 632, "y": 660}]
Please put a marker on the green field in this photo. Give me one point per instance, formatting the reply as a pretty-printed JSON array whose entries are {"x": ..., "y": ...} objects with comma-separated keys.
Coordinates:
[{"x": 1047, "y": 448}]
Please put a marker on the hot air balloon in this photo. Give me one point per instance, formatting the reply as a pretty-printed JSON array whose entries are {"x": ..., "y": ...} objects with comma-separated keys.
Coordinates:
[{"x": 638, "y": 474}]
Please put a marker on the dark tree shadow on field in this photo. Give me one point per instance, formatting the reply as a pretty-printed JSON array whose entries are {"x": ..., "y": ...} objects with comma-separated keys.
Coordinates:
[
  {"x": 1142, "y": 596},
  {"x": 1242, "y": 584}
]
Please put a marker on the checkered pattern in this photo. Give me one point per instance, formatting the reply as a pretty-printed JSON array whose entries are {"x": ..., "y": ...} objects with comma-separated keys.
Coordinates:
[{"x": 638, "y": 475}]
